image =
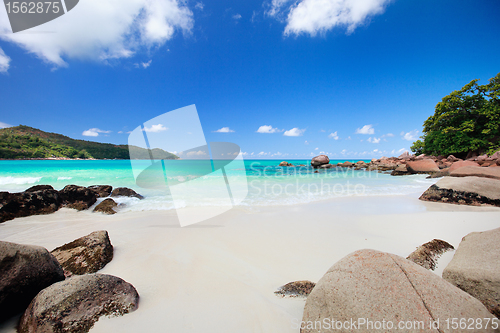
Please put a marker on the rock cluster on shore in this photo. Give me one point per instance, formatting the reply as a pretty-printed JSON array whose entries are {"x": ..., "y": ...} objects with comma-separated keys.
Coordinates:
[
  {"x": 44, "y": 199},
  {"x": 33, "y": 284}
]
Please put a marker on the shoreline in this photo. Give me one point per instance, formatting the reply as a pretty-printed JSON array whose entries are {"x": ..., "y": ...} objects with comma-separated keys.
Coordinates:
[{"x": 226, "y": 269}]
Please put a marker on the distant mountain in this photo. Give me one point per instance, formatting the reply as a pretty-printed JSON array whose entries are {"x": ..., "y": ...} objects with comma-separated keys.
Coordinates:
[{"x": 23, "y": 142}]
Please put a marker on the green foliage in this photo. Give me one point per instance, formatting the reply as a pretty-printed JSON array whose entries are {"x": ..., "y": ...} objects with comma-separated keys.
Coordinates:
[
  {"x": 23, "y": 142},
  {"x": 466, "y": 120}
]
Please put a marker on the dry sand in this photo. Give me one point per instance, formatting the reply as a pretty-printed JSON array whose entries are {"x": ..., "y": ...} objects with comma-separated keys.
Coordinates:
[{"x": 220, "y": 275}]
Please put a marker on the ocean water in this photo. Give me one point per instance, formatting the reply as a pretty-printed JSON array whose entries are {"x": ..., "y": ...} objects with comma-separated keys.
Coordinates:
[{"x": 267, "y": 183}]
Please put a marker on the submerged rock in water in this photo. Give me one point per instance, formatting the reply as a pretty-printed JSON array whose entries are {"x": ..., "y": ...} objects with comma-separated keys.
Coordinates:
[
  {"x": 295, "y": 289},
  {"x": 426, "y": 255},
  {"x": 84, "y": 255},
  {"x": 24, "y": 271},
  {"x": 74, "y": 305},
  {"x": 125, "y": 192},
  {"x": 106, "y": 206}
]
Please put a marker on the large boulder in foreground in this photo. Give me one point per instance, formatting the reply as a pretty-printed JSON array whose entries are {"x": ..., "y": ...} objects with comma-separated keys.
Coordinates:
[
  {"x": 106, "y": 206},
  {"x": 78, "y": 197},
  {"x": 39, "y": 199},
  {"x": 125, "y": 192},
  {"x": 24, "y": 271},
  {"x": 75, "y": 304},
  {"x": 473, "y": 191},
  {"x": 320, "y": 160},
  {"x": 477, "y": 171},
  {"x": 86, "y": 254},
  {"x": 102, "y": 191},
  {"x": 422, "y": 166},
  {"x": 475, "y": 268},
  {"x": 379, "y": 286}
]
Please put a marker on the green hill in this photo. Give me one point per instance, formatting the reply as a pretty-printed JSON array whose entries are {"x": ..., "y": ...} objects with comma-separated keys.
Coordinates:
[{"x": 23, "y": 142}]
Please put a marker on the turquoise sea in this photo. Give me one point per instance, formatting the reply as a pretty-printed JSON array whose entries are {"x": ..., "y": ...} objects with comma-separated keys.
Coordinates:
[{"x": 268, "y": 184}]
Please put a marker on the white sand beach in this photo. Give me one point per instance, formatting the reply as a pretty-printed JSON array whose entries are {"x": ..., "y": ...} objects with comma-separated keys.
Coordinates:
[{"x": 220, "y": 275}]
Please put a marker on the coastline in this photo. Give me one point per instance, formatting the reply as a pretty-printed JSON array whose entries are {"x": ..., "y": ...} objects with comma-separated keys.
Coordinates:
[{"x": 220, "y": 275}]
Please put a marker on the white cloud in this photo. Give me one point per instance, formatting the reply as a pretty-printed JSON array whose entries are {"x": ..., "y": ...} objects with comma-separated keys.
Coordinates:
[
  {"x": 94, "y": 132},
  {"x": 4, "y": 62},
  {"x": 367, "y": 129},
  {"x": 318, "y": 16},
  {"x": 410, "y": 136},
  {"x": 103, "y": 29},
  {"x": 4, "y": 125},
  {"x": 146, "y": 64},
  {"x": 333, "y": 136},
  {"x": 373, "y": 140},
  {"x": 306, "y": 142},
  {"x": 199, "y": 6},
  {"x": 224, "y": 130},
  {"x": 155, "y": 128},
  {"x": 316, "y": 148},
  {"x": 390, "y": 135},
  {"x": 196, "y": 153},
  {"x": 268, "y": 129},
  {"x": 294, "y": 132},
  {"x": 236, "y": 17}
]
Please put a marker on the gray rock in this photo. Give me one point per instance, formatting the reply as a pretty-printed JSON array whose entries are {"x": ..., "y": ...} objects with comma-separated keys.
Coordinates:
[
  {"x": 473, "y": 191},
  {"x": 86, "y": 254},
  {"x": 426, "y": 255},
  {"x": 125, "y": 192},
  {"x": 319, "y": 160},
  {"x": 384, "y": 287},
  {"x": 475, "y": 268},
  {"x": 106, "y": 206},
  {"x": 24, "y": 271},
  {"x": 75, "y": 304}
]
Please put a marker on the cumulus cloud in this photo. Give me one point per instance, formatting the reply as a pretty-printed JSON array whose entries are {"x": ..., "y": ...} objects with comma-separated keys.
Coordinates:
[
  {"x": 333, "y": 136},
  {"x": 236, "y": 17},
  {"x": 373, "y": 140},
  {"x": 155, "y": 128},
  {"x": 4, "y": 62},
  {"x": 94, "y": 132},
  {"x": 199, "y": 6},
  {"x": 367, "y": 129},
  {"x": 410, "y": 136},
  {"x": 294, "y": 132},
  {"x": 224, "y": 130},
  {"x": 103, "y": 29},
  {"x": 196, "y": 153},
  {"x": 318, "y": 16},
  {"x": 4, "y": 125},
  {"x": 268, "y": 129}
]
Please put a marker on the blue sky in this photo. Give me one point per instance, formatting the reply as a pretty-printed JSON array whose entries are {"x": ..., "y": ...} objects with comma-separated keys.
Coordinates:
[{"x": 353, "y": 79}]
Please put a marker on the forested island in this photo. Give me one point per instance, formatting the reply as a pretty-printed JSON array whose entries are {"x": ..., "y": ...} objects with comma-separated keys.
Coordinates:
[{"x": 24, "y": 142}]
